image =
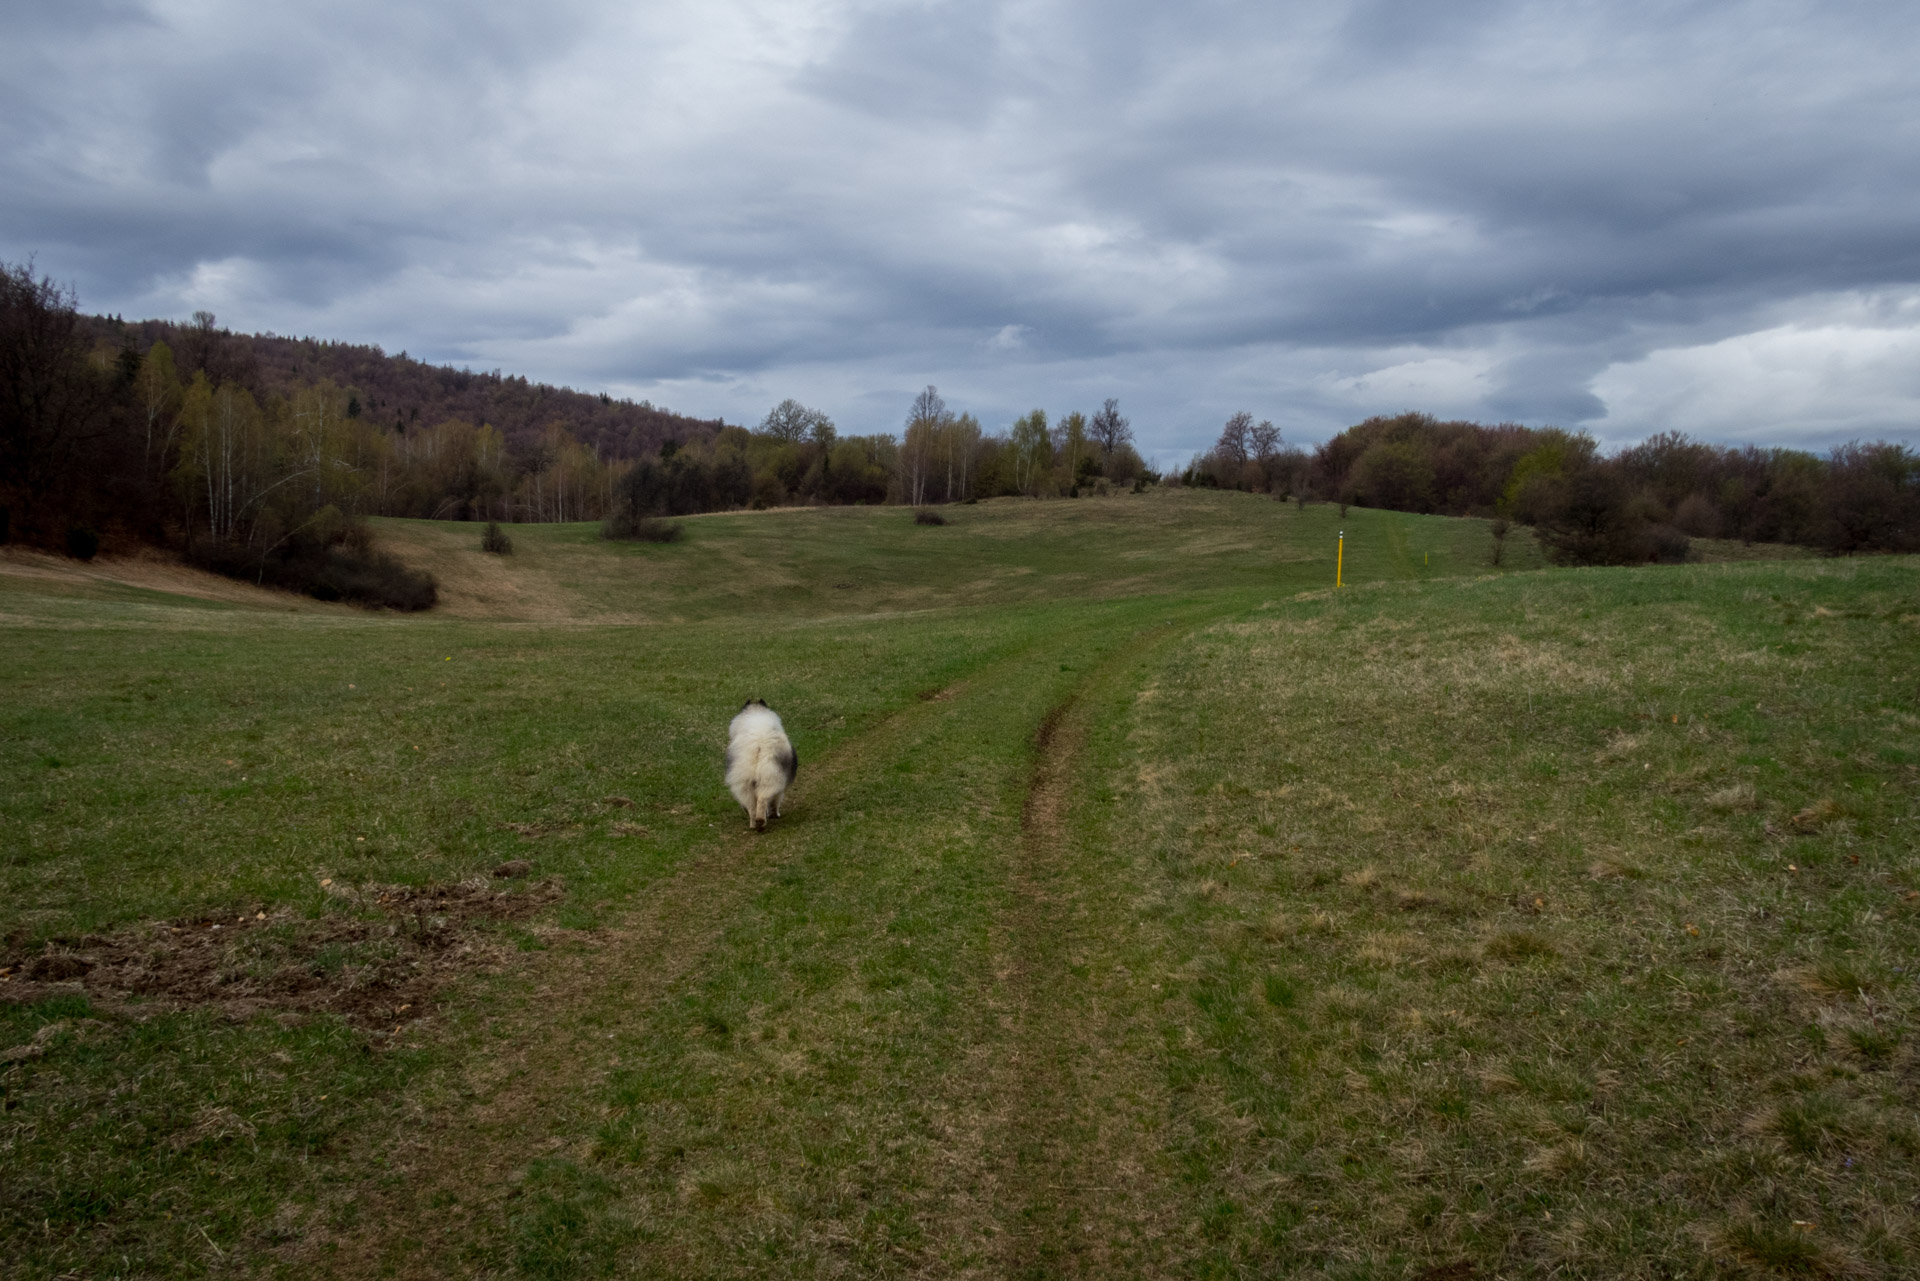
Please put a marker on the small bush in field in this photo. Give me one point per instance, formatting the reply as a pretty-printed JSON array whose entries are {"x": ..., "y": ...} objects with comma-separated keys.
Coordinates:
[
  {"x": 659, "y": 531},
  {"x": 927, "y": 516},
  {"x": 1670, "y": 546},
  {"x": 495, "y": 540},
  {"x": 624, "y": 526}
]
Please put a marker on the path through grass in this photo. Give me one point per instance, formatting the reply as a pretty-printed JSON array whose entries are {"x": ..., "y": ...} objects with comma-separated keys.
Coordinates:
[{"x": 1144, "y": 908}]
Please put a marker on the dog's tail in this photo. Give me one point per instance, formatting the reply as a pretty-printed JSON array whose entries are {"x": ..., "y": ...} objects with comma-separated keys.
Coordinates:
[
  {"x": 758, "y": 772},
  {"x": 772, "y": 774}
]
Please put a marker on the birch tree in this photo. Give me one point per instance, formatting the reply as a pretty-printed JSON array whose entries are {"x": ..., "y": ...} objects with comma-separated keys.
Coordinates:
[
  {"x": 1070, "y": 446},
  {"x": 926, "y": 422},
  {"x": 963, "y": 442},
  {"x": 157, "y": 392},
  {"x": 226, "y": 463},
  {"x": 1031, "y": 450}
]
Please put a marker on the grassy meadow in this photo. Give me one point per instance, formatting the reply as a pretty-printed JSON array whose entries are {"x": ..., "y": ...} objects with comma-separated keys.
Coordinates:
[{"x": 1144, "y": 907}]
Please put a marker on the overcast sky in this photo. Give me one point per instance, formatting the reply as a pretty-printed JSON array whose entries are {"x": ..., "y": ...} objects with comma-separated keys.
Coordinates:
[{"x": 1623, "y": 216}]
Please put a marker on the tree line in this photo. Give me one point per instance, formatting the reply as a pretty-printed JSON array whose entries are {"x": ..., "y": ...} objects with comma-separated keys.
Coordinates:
[
  {"x": 247, "y": 455},
  {"x": 252, "y": 458},
  {"x": 401, "y": 393},
  {"x": 797, "y": 455},
  {"x": 1645, "y": 502}
]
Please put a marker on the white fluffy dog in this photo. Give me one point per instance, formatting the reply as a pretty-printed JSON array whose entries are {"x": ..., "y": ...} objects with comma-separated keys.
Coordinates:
[{"x": 760, "y": 762}]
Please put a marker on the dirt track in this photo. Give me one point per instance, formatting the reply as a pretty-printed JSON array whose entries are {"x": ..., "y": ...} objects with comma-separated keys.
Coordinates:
[{"x": 1045, "y": 1164}]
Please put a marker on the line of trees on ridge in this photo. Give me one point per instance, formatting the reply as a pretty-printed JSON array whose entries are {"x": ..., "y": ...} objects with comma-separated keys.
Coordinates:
[
  {"x": 1645, "y": 502},
  {"x": 104, "y": 439},
  {"x": 256, "y": 470},
  {"x": 797, "y": 455},
  {"x": 248, "y": 455}
]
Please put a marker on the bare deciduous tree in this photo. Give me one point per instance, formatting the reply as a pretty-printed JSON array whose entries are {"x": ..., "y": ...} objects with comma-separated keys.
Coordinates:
[
  {"x": 1232, "y": 446},
  {"x": 1264, "y": 442},
  {"x": 1108, "y": 429},
  {"x": 927, "y": 421},
  {"x": 791, "y": 420},
  {"x": 927, "y": 407},
  {"x": 962, "y": 438},
  {"x": 50, "y": 402}
]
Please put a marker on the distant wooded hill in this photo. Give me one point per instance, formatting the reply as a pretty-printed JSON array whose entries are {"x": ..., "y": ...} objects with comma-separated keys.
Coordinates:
[
  {"x": 260, "y": 456},
  {"x": 397, "y": 391}
]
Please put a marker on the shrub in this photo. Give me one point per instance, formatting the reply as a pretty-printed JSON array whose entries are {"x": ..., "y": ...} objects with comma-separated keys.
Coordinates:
[
  {"x": 1396, "y": 476},
  {"x": 624, "y": 526},
  {"x": 371, "y": 578},
  {"x": 927, "y": 516},
  {"x": 1872, "y": 500},
  {"x": 1124, "y": 465},
  {"x": 343, "y": 566},
  {"x": 652, "y": 530},
  {"x": 495, "y": 540},
  {"x": 1500, "y": 529},
  {"x": 768, "y": 491},
  {"x": 1696, "y": 515},
  {"x": 1587, "y": 518},
  {"x": 83, "y": 543},
  {"x": 1670, "y": 546}
]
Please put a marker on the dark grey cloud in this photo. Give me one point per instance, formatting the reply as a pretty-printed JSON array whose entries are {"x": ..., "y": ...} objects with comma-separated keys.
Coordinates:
[{"x": 1625, "y": 216}]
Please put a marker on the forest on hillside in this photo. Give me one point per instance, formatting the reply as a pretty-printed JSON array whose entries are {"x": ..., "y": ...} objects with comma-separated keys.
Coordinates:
[
  {"x": 259, "y": 456},
  {"x": 398, "y": 393}
]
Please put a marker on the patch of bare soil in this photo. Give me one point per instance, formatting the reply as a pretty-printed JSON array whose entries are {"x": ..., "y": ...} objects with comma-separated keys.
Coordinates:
[
  {"x": 534, "y": 831},
  {"x": 375, "y": 969}
]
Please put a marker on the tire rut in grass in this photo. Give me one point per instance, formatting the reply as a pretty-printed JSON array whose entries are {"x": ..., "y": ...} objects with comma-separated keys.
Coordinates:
[{"x": 1080, "y": 1183}]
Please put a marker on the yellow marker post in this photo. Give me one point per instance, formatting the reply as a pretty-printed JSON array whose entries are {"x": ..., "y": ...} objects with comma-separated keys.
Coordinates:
[{"x": 1340, "y": 558}]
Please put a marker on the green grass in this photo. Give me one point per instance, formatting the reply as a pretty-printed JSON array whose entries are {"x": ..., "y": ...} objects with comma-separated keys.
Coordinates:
[
  {"x": 1499, "y": 941},
  {"x": 1144, "y": 907},
  {"x": 851, "y": 560}
]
